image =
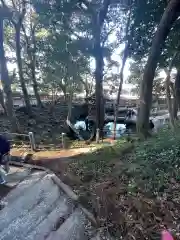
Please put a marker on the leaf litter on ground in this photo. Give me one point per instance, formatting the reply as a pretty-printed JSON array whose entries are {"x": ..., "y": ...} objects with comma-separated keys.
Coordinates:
[{"x": 134, "y": 193}]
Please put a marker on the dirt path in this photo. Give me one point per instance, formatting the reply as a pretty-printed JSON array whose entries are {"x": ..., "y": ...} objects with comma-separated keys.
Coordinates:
[
  {"x": 56, "y": 160},
  {"x": 52, "y": 153}
]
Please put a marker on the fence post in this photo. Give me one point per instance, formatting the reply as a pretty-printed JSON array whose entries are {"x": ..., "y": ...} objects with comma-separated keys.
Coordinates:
[
  {"x": 63, "y": 140},
  {"x": 97, "y": 135},
  {"x": 32, "y": 141}
]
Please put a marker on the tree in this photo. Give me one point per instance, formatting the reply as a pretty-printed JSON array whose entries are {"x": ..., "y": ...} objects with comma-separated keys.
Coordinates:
[
  {"x": 28, "y": 50},
  {"x": 60, "y": 61},
  {"x": 177, "y": 88},
  {"x": 88, "y": 25},
  {"x": 135, "y": 78},
  {"x": 103, "y": 18},
  {"x": 141, "y": 40},
  {"x": 88, "y": 84},
  {"x": 17, "y": 22},
  {"x": 6, "y": 82},
  {"x": 19, "y": 11},
  {"x": 2, "y": 102},
  {"x": 169, "y": 17},
  {"x": 98, "y": 55},
  {"x": 124, "y": 59},
  {"x": 31, "y": 49},
  {"x": 168, "y": 84}
]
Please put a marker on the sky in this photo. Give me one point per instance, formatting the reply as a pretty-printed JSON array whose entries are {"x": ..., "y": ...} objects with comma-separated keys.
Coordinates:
[{"x": 116, "y": 57}]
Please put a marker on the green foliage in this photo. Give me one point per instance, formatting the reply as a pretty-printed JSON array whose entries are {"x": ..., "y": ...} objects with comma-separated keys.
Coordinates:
[
  {"x": 62, "y": 63},
  {"x": 145, "y": 25},
  {"x": 72, "y": 27},
  {"x": 155, "y": 162},
  {"x": 65, "y": 32}
]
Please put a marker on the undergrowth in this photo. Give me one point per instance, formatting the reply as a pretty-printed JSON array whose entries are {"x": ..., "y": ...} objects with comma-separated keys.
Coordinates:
[
  {"x": 133, "y": 187},
  {"x": 99, "y": 162},
  {"x": 156, "y": 162},
  {"x": 151, "y": 163}
]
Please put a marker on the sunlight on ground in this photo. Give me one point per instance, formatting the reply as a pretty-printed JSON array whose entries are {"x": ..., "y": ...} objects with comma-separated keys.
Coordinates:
[
  {"x": 53, "y": 153},
  {"x": 78, "y": 148},
  {"x": 62, "y": 153}
]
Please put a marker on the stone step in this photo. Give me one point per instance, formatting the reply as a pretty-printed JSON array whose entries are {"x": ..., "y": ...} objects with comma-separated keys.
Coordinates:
[
  {"x": 73, "y": 228},
  {"x": 27, "y": 201}
]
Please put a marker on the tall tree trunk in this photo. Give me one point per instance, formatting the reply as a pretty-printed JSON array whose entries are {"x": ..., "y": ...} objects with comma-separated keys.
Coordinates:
[
  {"x": 2, "y": 101},
  {"x": 35, "y": 87},
  {"x": 33, "y": 69},
  {"x": 98, "y": 54},
  {"x": 172, "y": 106},
  {"x": 31, "y": 51},
  {"x": 6, "y": 82},
  {"x": 124, "y": 59},
  {"x": 169, "y": 17},
  {"x": 175, "y": 104},
  {"x": 99, "y": 88},
  {"x": 177, "y": 88},
  {"x": 125, "y": 56},
  {"x": 169, "y": 100},
  {"x": 19, "y": 63},
  {"x": 175, "y": 109},
  {"x": 69, "y": 102}
]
